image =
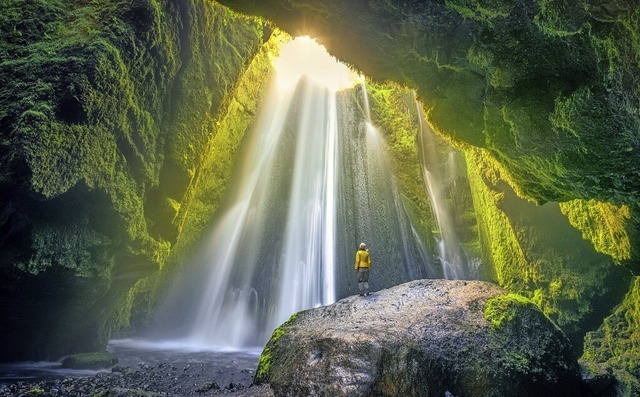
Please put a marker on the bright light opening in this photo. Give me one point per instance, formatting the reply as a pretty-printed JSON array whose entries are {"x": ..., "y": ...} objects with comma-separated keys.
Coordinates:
[{"x": 304, "y": 56}]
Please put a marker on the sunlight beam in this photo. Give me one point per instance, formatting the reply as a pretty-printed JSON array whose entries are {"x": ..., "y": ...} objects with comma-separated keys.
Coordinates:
[{"x": 304, "y": 56}]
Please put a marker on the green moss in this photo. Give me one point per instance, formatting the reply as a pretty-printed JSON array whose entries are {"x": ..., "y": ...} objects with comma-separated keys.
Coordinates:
[
  {"x": 503, "y": 309},
  {"x": 264, "y": 365},
  {"x": 206, "y": 189},
  {"x": 604, "y": 224},
  {"x": 504, "y": 258},
  {"x": 70, "y": 248},
  {"x": 90, "y": 360},
  {"x": 561, "y": 18},
  {"x": 481, "y": 10},
  {"x": 511, "y": 318},
  {"x": 534, "y": 251},
  {"x": 615, "y": 346},
  {"x": 525, "y": 100},
  {"x": 394, "y": 111}
]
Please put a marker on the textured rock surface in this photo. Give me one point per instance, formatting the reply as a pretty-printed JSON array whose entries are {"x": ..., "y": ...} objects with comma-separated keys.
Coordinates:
[{"x": 423, "y": 338}]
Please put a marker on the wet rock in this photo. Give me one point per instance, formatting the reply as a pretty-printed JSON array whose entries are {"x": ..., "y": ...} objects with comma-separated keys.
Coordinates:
[
  {"x": 208, "y": 386},
  {"x": 90, "y": 360},
  {"x": 600, "y": 382},
  {"x": 422, "y": 338}
]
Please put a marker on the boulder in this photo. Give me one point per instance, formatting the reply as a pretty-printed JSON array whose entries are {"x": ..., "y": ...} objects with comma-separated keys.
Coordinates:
[
  {"x": 94, "y": 360},
  {"x": 422, "y": 338}
]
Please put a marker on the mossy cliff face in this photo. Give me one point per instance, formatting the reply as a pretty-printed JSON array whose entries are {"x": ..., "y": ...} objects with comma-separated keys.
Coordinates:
[
  {"x": 205, "y": 192},
  {"x": 536, "y": 251},
  {"x": 550, "y": 88},
  {"x": 615, "y": 346},
  {"x": 107, "y": 111}
]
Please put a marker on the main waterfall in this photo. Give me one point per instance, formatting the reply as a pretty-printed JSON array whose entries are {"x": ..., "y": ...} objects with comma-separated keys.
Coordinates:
[
  {"x": 272, "y": 251},
  {"x": 313, "y": 182}
]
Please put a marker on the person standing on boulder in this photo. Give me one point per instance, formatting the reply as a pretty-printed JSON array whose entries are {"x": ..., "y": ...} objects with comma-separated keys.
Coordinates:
[{"x": 363, "y": 265}]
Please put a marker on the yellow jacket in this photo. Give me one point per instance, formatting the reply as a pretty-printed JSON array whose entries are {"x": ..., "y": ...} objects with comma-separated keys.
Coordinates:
[{"x": 363, "y": 259}]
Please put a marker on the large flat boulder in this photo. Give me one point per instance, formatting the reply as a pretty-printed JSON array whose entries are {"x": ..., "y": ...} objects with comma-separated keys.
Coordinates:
[{"x": 422, "y": 338}]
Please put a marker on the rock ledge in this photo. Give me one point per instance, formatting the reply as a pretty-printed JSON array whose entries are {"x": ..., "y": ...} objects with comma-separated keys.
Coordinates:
[{"x": 422, "y": 338}]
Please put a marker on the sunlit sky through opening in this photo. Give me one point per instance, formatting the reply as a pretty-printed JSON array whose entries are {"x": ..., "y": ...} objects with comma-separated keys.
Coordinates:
[{"x": 304, "y": 56}]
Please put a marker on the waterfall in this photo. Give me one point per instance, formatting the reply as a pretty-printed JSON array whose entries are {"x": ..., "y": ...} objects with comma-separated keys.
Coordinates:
[
  {"x": 313, "y": 182},
  {"x": 271, "y": 252},
  {"x": 436, "y": 169},
  {"x": 372, "y": 199}
]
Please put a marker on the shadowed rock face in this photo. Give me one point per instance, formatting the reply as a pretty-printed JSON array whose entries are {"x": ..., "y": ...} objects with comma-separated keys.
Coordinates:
[{"x": 422, "y": 338}]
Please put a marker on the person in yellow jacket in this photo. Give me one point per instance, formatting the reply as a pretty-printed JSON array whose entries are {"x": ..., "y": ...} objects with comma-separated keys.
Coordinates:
[{"x": 363, "y": 265}]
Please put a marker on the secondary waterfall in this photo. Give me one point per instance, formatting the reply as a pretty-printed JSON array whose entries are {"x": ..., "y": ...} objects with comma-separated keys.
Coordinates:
[{"x": 437, "y": 167}]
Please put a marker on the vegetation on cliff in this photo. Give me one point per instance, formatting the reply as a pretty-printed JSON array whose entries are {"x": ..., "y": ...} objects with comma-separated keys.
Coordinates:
[
  {"x": 536, "y": 252},
  {"x": 106, "y": 112},
  {"x": 610, "y": 228},
  {"x": 615, "y": 346},
  {"x": 263, "y": 370},
  {"x": 212, "y": 176}
]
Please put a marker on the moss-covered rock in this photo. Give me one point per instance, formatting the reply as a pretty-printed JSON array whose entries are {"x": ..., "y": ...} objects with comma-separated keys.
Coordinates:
[
  {"x": 615, "y": 346},
  {"x": 612, "y": 229},
  {"x": 502, "y": 310},
  {"x": 90, "y": 360},
  {"x": 264, "y": 365}
]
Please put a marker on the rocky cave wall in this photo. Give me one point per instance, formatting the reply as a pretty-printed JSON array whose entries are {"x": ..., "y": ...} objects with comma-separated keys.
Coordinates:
[{"x": 108, "y": 110}]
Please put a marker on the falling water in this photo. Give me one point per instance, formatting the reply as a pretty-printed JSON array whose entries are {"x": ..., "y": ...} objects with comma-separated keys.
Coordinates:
[
  {"x": 313, "y": 183},
  {"x": 271, "y": 253},
  {"x": 452, "y": 257},
  {"x": 377, "y": 202}
]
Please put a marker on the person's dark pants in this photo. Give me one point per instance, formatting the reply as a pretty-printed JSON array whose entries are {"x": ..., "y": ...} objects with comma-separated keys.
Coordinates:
[{"x": 363, "y": 280}]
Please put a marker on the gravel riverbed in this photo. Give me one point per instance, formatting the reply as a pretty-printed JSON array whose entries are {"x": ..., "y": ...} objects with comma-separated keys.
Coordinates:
[{"x": 150, "y": 370}]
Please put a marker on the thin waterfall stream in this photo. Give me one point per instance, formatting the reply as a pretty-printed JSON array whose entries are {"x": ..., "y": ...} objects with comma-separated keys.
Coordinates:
[{"x": 452, "y": 257}]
